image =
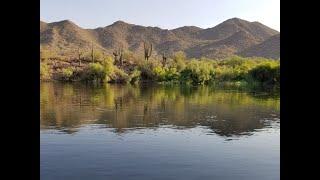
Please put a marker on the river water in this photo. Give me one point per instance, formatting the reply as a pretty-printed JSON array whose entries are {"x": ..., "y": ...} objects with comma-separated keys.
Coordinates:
[{"x": 157, "y": 132}]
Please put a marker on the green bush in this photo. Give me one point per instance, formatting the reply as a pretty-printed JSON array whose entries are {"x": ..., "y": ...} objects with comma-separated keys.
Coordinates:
[
  {"x": 109, "y": 67},
  {"x": 179, "y": 61},
  {"x": 94, "y": 72},
  {"x": 172, "y": 74},
  {"x": 44, "y": 71},
  {"x": 198, "y": 72},
  {"x": 159, "y": 73},
  {"x": 266, "y": 73},
  {"x": 166, "y": 73},
  {"x": 67, "y": 73},
  {"x": 234, "y": 61},
  {"x": 135, "y": 76},
  {"x": 119, "y": 76},
  {"x": 147, "y": 69}
]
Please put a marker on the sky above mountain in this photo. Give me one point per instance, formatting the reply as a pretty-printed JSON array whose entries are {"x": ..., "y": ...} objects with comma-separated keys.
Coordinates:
[{"x": 168, "y": 14}]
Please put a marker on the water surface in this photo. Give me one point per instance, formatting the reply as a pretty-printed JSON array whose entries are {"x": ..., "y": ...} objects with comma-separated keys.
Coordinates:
[{"x": 157, "y": 132}]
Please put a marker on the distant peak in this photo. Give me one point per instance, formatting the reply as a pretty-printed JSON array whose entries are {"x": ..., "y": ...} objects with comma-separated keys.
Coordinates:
[
  {"x": 64, "y": 22},
  {"x": 235, "y": 20},
  {"x": 67, "y": 21},
  {"x": 188, "y": 27},
  {"x": 119, "y": 22}
]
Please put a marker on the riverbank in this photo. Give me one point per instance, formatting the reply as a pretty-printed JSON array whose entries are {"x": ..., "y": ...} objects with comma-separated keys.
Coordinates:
[{"x": 235, "y": 70}]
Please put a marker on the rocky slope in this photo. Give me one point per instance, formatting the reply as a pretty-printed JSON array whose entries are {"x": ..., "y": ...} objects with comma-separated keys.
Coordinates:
[{"x": 233, "y": 36}]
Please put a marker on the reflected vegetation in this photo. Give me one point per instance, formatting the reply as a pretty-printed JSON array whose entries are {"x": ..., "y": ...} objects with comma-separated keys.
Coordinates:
[{"x": 125, "y": 108}]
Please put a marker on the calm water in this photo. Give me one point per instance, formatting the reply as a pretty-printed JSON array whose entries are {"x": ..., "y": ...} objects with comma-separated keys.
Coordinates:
[{"x": 157, "y": 132}]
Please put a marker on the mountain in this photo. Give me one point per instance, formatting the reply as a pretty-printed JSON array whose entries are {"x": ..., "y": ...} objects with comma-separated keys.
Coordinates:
[
  {"x": 269, "y": 48},
  {"x": 231, "y": 26},
  {"x": 226, "y": 47},
  {"x": 233, "y": 36}
]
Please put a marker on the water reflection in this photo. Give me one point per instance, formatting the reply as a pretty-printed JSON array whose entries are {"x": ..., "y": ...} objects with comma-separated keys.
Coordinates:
[{"x": 124, "y": 107}]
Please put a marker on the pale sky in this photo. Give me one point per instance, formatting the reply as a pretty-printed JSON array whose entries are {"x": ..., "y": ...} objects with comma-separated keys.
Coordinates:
[{"x": 166, "y": 14}]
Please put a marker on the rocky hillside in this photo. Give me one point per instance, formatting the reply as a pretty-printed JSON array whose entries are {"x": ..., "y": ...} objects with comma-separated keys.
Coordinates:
[
  {"x": 269, "y": 48},
  {"x": 233, "y": 36}
]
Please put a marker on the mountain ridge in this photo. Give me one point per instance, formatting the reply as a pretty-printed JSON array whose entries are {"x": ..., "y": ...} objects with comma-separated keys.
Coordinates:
[{"x": 230, "y": 37}]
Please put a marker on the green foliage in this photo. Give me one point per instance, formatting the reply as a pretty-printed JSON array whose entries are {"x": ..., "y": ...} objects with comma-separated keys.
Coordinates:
[
  {"x": 108, "y": 66},
  {"x": 166, "y": 73},
  {"x": 135, "y": 76},
  {"x": 198, "y": 72},
  {"x": 94, "y": 72},
  {"x": 235, "y": 70},
  {"x": 44, "y": 71},
  {"x": 172, "y": 74},
  {"x": 147, "y": 69},
  {"x": 266, "y": 73},
  {"x": 119, "y": 76},
  {"x": 234, "y": 61},
  {"x": 179, "y": 61},
  {"x": 98, "y": 56},
  {"x": 159, "y": 73},
  {"x": 67, "y": 73}
]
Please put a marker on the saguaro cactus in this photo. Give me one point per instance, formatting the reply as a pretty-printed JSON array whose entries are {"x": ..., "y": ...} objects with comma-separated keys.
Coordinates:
[
  {"x": 164, "y": 59},
  {"x": 92, "y": 55},
  {"x": 147, "y": 51},
  {"x": 118, "y": 56},
  {"x": 79, "y": 55}
]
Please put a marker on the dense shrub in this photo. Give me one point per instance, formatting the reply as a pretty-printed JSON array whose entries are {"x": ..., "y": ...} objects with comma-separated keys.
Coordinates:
[
  {"x": 94, "y": 72},
  {"x": 67, "y": 73},
  {"x": 179, "y": 61},
  {"x": 147, "y": 69},
  {"x": 236, "y": 70},
  {"x": 198, "y": 72},
  {"x": 44, "y": 71},
  {"x": 172, "y": 74},
  {"x": 166, "y": 73},
  {"x": 234, "y": 61},
  {"x": 135, "y": 76},
  {"x": 119, "y": 76},
  {"x": 108, "y": 64},
  {"x": 266, "y": 73},
  {"x": 159, "y": 73}
]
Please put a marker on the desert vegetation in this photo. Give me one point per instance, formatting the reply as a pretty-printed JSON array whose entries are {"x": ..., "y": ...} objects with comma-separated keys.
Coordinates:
[{"x": 125, "y": 67}]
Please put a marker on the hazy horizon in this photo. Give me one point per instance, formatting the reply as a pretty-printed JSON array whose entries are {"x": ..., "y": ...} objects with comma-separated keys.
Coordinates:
[{"x": 165, "y": 14}]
